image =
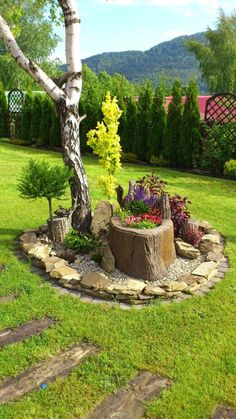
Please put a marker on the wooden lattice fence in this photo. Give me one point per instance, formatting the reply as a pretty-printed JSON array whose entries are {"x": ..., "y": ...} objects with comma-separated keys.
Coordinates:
[{"x": 15, "y": 107}]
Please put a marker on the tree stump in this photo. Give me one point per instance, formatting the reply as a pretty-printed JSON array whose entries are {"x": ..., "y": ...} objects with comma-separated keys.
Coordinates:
[
  {"x": 165, "y": 207},
  {"x": 144, "y": 254},
  {"x": 59, "y": 227}
]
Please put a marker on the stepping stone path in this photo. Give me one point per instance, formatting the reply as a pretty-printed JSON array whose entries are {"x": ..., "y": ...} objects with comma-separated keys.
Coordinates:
[
  {"x": 32, "y": 378},
  {"x": 25, "y": 331},
  {"x": 225, "y": 413},
  {"x": 129, "y": 403},
  {"x": 7, "y": 298}
]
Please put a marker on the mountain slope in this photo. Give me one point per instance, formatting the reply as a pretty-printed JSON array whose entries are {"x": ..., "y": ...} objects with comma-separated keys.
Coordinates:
[{"x": 167, "y": 60}]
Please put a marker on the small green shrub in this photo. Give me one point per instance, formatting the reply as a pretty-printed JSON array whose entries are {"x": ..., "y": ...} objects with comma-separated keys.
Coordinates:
[
  {"x": 230, "y": 168},
  {"x": 80, "y": 243},
  {"x": 136, "y": 207},
  {"x": 158, "y": 161},
  {"x": 129, "y": 157},
  {"x": 217, "y": 148},
  {"x": 142, "y": 225}
]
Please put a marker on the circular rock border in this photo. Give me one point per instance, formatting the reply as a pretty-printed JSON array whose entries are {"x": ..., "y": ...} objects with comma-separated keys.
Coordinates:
[{"x": 97, "y": 287}]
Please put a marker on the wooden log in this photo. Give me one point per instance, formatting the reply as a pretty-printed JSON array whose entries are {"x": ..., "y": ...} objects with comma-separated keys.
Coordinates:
[
  {"x": 144, "y": 254},
  {"x": 164, "y": 206},
  {"x": 58, "y": 229}
]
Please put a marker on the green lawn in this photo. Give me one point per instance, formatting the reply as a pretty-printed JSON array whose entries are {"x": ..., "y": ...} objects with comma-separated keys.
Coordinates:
[{"x": 193, "y": 343}]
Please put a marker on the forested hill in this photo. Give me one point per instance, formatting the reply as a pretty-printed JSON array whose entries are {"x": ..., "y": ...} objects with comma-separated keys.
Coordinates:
[{"x": 167, "y": 60}]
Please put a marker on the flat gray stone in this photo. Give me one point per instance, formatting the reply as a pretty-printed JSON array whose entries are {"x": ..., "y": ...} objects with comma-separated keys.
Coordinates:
[
  {"x": 95, "y": 280},
  {"x": 129, "y": 403},
  {"x": 206, "y": 269},
  {"x": 120, "y": 289},
  {"x": 225, "y": 413},
  {"x": 174, "y": 286},
  {"x": 40, "y": 251},
  {"x": 213, "y": 238},
  {"x": 186, "y": 250},
  {"x": 29, "y": 237},
  {"x": 214, "y": 257},
  {"x": 63, "y": 271}
]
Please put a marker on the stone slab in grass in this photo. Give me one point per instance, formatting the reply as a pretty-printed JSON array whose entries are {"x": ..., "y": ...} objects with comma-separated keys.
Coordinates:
[
  {"x": 225, "y": 413},
  {"x": 25, "y": 331},
  {"x": 7, "y": 298},
  {"x": 129, "y": 403},
  {"x": 32, "y": 378}
]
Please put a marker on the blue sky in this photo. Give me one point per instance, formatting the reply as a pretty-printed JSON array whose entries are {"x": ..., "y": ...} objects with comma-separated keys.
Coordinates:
[{"x": 120, "y": 25}]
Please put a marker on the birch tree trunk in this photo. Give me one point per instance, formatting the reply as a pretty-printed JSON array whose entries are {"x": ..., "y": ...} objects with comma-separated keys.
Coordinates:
[{"x": 66, "y": 100}]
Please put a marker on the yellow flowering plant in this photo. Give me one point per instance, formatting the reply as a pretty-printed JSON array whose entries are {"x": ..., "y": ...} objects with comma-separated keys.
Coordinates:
[{"x": 105, "y": 142}]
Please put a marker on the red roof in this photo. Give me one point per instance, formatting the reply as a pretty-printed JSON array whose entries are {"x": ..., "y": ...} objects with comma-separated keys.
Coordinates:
[{"x": 201, "y": 103}]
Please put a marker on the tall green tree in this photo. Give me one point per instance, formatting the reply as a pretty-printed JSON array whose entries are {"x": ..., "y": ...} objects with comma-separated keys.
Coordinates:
[
  {"x": 4, "y": 127},
  {"x": 26, "y": 117},
  {"x": 45, "y": 121},
  {"x": 55, "y": 132},
  {"x": 144, "y": 120},
  {"x": 190, "y": 130},
  {"x": 158, "y": 123},
  {"x": 36, "y": 116},
  {"x": 173, "y": 126},
  {"x": 217, "y": 57},
  {"x": 132, "y": 125}
]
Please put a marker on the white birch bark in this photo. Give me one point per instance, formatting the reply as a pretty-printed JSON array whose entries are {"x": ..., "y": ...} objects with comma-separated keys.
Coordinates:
[{"x": 66, "y": 101}]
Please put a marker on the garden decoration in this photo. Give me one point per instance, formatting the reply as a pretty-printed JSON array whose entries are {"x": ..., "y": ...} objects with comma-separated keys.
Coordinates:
[
  {"x": 40, "y": 180},
  {"x": 180, "y": 256}
]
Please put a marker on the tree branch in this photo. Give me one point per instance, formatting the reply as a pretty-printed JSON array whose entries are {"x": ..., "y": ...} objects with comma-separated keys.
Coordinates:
[
  {"x": 29, "y": 66},
  {"x": 73, "y": 85}
]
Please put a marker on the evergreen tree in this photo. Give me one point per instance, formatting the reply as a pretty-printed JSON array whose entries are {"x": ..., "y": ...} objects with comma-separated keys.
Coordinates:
[
  {"x": 45, "y": 123},
  {"x": 4, "y": 127},
  {"x": 158, "y": 123},
  {"x": 173, "y": 126},
  {"x": 26, "y": 118},
  {"x": 144, "y": 120},
  {"x": 190, "y": 130},
  {"x": 36, "y": 116},
  {"x": 131, "y": 127},
  {"x": 122, "y": 130},
  {"x": 55, "y": 131}
]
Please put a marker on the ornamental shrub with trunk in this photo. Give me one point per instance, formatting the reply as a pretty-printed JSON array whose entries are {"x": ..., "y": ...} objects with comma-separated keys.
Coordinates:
[
  {"x": 40, "y": 180},
  {"x": 105, "y": 142},
  {"x": 4, "y": 128}
]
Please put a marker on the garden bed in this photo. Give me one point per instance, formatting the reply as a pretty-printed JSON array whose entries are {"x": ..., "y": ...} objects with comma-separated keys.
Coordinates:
[{"x": 201, "y": 272}]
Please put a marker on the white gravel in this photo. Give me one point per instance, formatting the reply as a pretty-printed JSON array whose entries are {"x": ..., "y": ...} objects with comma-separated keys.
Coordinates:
[{"x": 181, "y": 266}]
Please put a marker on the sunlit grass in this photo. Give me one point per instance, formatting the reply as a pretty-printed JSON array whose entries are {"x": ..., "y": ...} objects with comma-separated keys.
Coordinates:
[{"x": 193, "y": 342}]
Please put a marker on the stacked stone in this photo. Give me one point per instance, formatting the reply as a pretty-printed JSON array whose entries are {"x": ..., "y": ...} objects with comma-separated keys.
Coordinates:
[{"x": 133, "y": 291}]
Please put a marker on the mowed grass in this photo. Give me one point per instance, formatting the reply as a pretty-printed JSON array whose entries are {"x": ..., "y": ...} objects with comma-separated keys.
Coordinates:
[{"x": 193, "y": 343}]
